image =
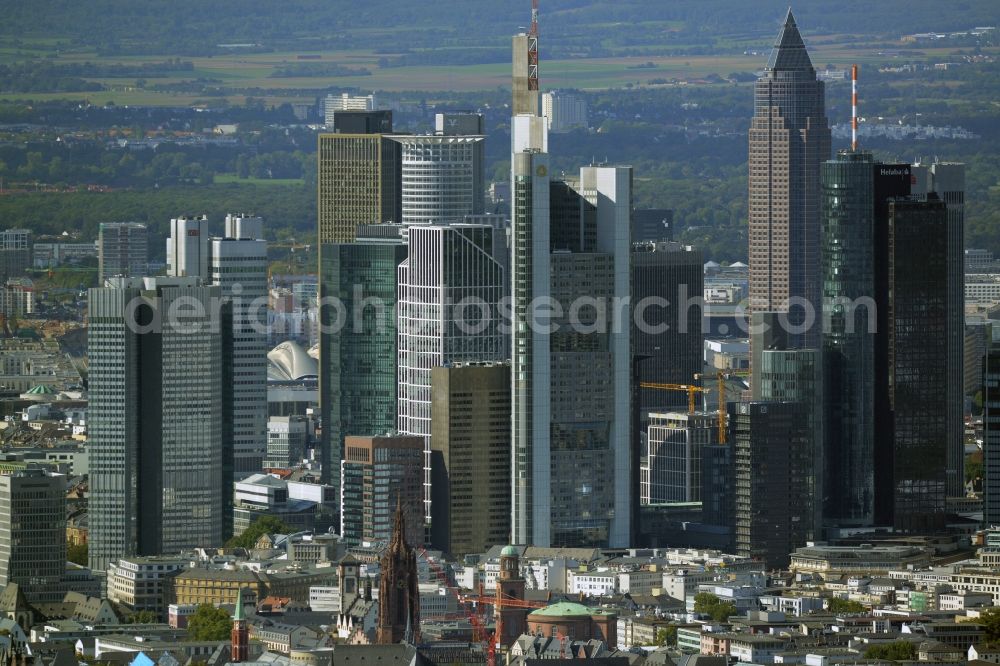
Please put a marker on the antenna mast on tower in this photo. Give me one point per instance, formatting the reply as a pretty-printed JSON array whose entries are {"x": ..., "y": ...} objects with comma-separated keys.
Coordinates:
[
  {"x": 854, "y": 107},
  {"x": 533, "y": 48}
]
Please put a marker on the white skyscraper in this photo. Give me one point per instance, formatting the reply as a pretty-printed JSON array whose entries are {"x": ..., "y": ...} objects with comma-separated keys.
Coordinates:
[
  {"x": 571, "y": 368},
  {"x": 238, "y": 265},
  {"x": 564, "y": 111},
  {"x": 442, "y": 177},
  {"x": 449, "y": 289},
  {"x": 187, "y": 247}
]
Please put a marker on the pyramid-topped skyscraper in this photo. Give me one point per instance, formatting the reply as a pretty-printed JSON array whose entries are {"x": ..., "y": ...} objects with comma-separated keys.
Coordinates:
[{"x": 789, "y": 140}]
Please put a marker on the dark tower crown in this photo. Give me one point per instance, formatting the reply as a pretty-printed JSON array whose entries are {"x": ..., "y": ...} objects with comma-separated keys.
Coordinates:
[{"x": 789, "y": 52}]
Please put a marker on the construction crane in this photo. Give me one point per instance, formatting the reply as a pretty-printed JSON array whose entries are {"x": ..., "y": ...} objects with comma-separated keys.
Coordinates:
[
  {"x": 481, "y": 600},
  {"x": 480, "y": 634},
  {"x": 721, "y": 376},
  {"x": 690, "y": 388}
]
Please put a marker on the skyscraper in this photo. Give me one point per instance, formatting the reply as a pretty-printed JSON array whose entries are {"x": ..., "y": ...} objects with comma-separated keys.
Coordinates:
[
  {"x": 122, "y": 249},
  {"x": 358, "y": 371},
  {"x": 155, "y": 417},
  {"x": 33, "y": 533},
  {"x": 377, "y": 473},
  {"x": 991, "y": 432},
  {"x": 15, "y": 253},
  {"x": 795, "y": 376},
  {"x": 789, "y": 140},
  {"x": 947, "y": 179},
  {"x": 772, "y": 463},
  {"x": 918, "y": 362},
  {"x": 442, "y": 177},
  {"x": 571, "y": 371},
  {"x": 470, "y": 456},
  {"x": 238, "y": 266},
  {"x": 450, "y": 288},
  {"x": 667, "y": 285},
  {"x": 671, "y": 468},
  {"x": 187, "y": 247},
  {"x": 359, "y": 178},
  {"x": 848, "y": 224}
]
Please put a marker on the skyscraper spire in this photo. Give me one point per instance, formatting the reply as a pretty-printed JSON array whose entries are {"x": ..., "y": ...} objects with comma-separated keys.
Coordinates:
[{"x": 789, "y": 50}]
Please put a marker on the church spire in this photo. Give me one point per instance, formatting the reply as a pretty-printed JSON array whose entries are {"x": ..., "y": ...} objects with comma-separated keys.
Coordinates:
[
  {"x": 789, "y": 50},
  {"x": 398, "y": 539}
]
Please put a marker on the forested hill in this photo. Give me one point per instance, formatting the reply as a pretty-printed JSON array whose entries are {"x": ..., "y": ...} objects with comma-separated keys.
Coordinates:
[{"x": 191, "y": 27}]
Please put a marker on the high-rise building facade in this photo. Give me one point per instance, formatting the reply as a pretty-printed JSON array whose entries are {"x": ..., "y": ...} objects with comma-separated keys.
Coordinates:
[
  {"x": 667, "y": 287},
  {"x": 450, "y": 287},
  {"x": 918, "y": 362},
  {"x": 991, "y": 432},
  {"x": 789, "y": 140},
  {"x": 564, "y": 111},
  {"x": 571, "y": 369},
  {"x": 345, "y": 102},
  {"x": 358, "y": 374},
  {"x": 795, "y": 375},
  {"x": 359, "y": 181},
  {"x": 15, "y": 253},
  {"x": 238, "y": 266},
  {"x": 157, "y": 431},
  {"x": 122, "y": 250},
  {"x": 849, "y": 219},
  {"x": 377, "y": 473},
  {"x": 671, "y": 466},
  {"x": 33, "y": 533},
  {"x": 470, "y": 456},
  {"x": 187, "y": 247},
  {"x": 442, "y": 177},
  {"x": 287, "y": 440},
  {"x": 947, "y": 180},
  {"x": 771, "y": 466}
]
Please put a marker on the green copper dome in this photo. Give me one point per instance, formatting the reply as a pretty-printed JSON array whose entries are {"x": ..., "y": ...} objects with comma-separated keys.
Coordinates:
[
  {"x": 565, "y": 609},
  {"x": 508, "y": 551}
]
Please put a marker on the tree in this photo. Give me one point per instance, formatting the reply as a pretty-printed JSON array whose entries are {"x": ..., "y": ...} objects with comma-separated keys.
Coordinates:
[
  {"x": 77, "y": 554},
  {"x": 990, "y": 619},
  {"x": 706, "y": 603},
  {"x": 143, "y": 617},
  {"x": 837, "y": 605},
  {"x": 897, "y": 651},
  {"x": 666, "y": 636},
  {"x": 209, "y": 623},
  {"x": 258, "y": 528}
]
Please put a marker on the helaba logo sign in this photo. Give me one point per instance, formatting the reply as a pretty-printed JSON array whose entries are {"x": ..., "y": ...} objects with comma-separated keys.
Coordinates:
[
  {"x": 895, "y": 172},
  {"x": 192, "y": 232}
]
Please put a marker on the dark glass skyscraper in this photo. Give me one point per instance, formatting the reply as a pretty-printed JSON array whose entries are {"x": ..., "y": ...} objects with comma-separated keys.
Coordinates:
[
  {"x": 789, "y": 140},
  {"x": 670, "y": 339},
  {"x": 357, "y": 343},
  {"x": 772, "y": 493},
  {"x": 848, "y": 218},
  {"x": 918, "y": 362}
]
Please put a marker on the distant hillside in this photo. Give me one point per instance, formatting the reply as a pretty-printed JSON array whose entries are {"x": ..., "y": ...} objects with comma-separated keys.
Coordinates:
[{"x": 190, "y": 27}]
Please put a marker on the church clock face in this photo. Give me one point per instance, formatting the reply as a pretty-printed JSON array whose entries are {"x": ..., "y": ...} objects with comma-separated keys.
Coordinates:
[{"x": 400, "y": 584}]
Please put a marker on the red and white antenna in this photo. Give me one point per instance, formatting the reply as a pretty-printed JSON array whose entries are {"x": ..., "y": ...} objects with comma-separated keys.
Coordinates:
[
  {"x": 533, "y": 48},
  {"x": 854, "y": 107}
]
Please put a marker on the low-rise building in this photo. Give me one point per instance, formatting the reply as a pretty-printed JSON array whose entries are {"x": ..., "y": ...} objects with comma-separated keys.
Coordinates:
[
  {"x": 139, "y": 583},
  {"x": 265, "y": 495},
  {"x": 755, "y": 648},
  {"x": 866, "y": 559}
]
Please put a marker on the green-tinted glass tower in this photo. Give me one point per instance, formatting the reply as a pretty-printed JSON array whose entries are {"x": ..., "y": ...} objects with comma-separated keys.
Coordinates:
[
  {"x": 358, "y": 341},
  {"x": 848, "y": 218}
]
